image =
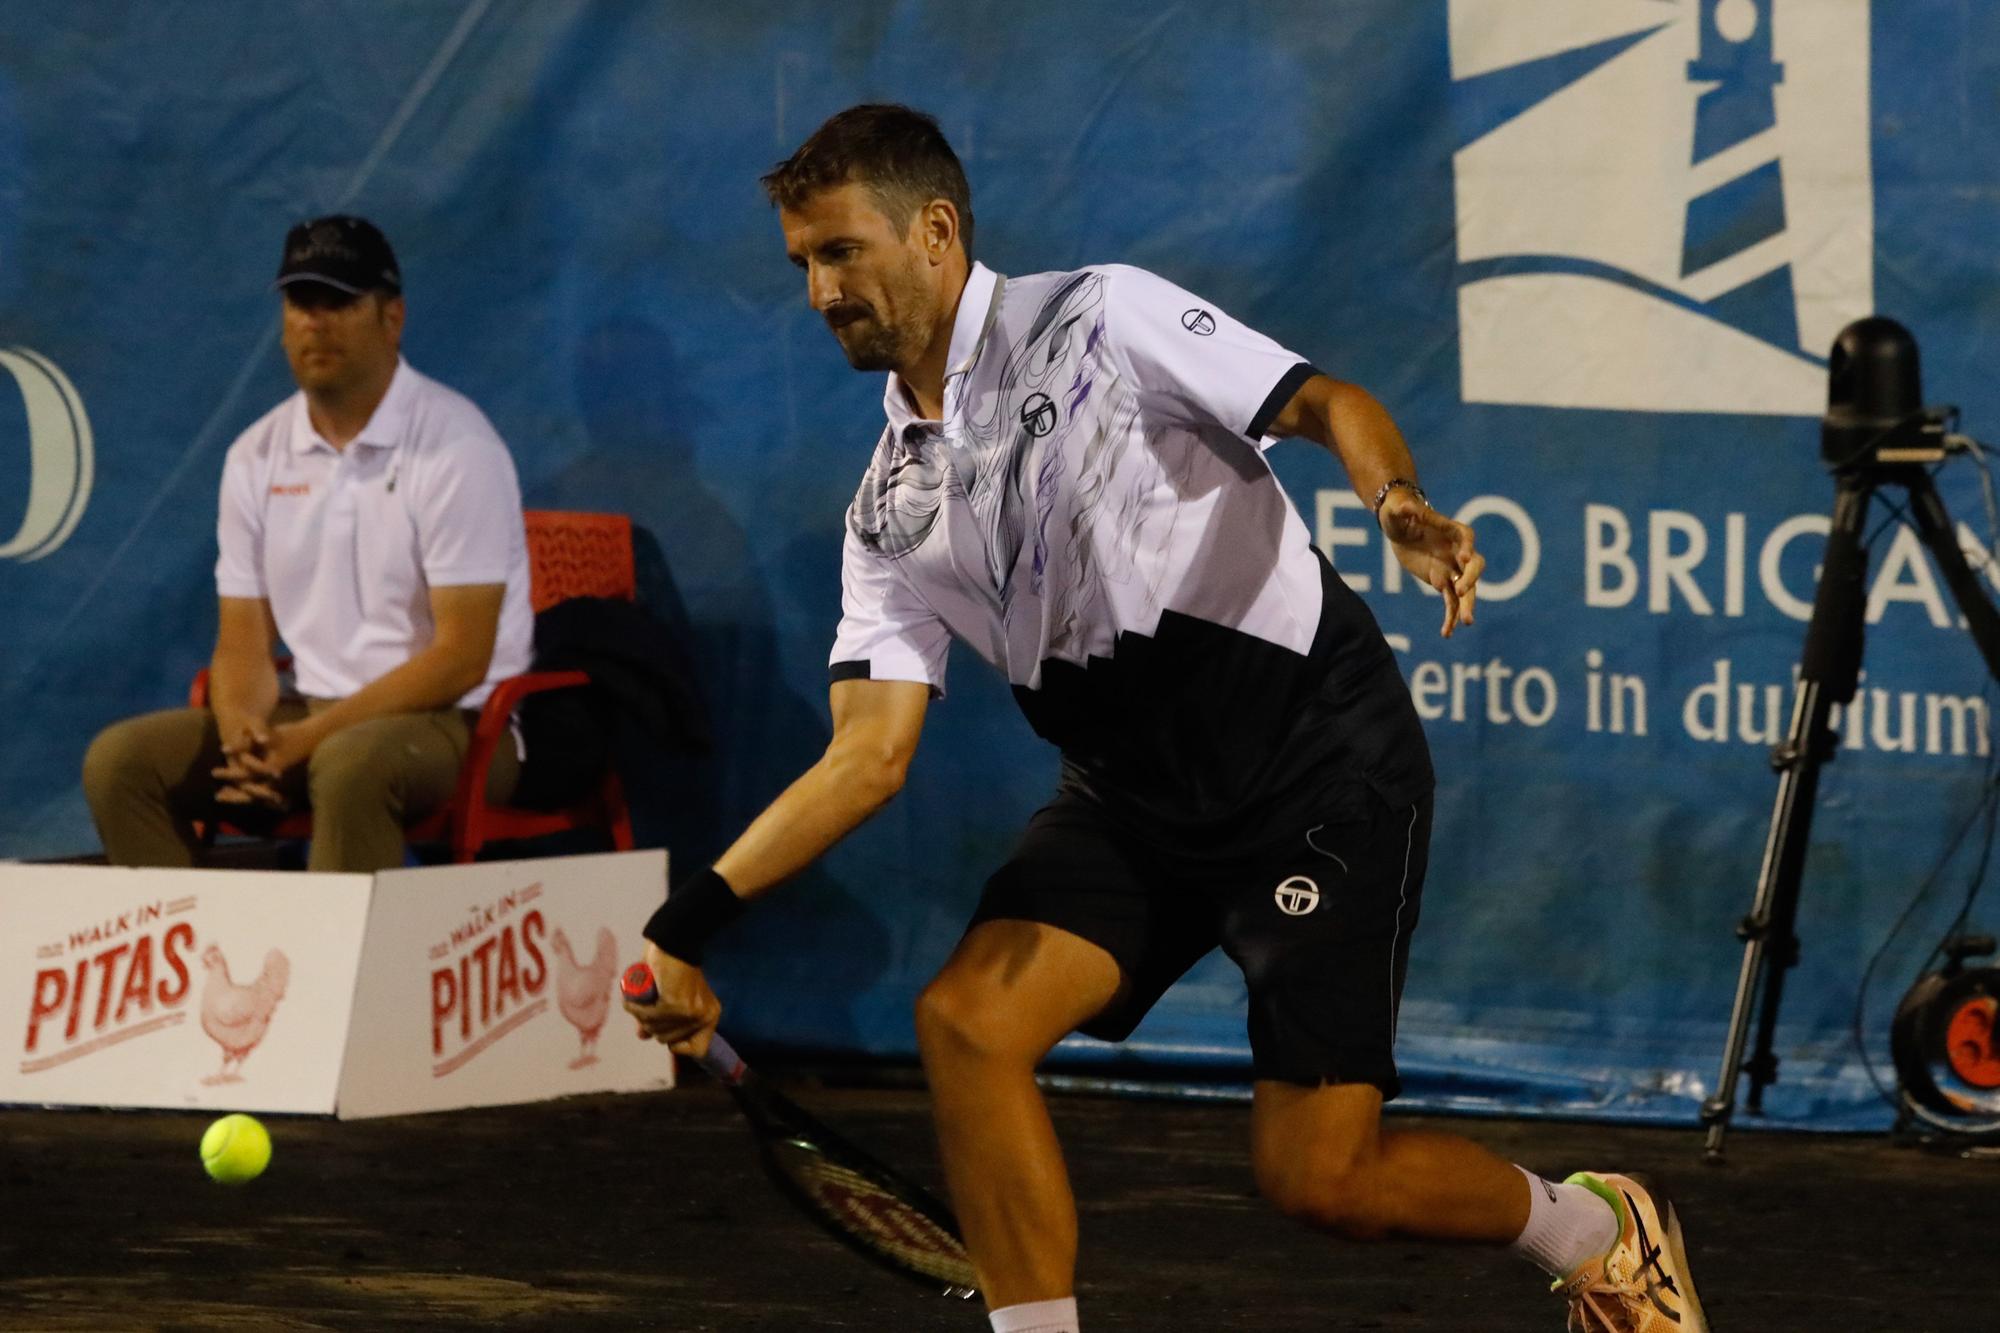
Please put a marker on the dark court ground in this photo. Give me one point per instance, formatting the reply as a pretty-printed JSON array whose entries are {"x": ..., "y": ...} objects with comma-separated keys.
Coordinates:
[{"x": 651, "y": 1212}]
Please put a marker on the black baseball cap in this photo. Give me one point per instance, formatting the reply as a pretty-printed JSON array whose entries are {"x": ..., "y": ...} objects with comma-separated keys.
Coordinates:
[{"x": 346, "y": 253}]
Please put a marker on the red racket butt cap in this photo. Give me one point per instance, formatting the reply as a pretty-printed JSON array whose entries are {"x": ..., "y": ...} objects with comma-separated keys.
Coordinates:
[{"x": 638, "y": 985}]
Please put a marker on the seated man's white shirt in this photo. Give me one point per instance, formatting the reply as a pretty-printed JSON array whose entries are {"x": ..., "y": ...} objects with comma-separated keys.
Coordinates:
[{"x": 346, "y": 545}]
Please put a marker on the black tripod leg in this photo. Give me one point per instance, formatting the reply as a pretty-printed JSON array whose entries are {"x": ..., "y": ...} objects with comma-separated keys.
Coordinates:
[
  {"x": 1934, "y": 526},
  {"x": 1828, "y": 673},
  {"x": 1781, "y": 954}
]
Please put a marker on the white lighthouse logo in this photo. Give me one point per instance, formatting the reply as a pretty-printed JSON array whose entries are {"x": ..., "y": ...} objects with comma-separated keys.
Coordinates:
[{"x": 1662, "y": 205}]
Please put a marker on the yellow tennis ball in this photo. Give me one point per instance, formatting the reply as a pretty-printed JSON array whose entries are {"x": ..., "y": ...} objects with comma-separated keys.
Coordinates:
[{"x": 236, "y": 1149}]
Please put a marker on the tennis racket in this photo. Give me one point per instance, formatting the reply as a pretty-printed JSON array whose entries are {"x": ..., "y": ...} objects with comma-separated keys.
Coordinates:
[{"x": 857, "y": 1198}]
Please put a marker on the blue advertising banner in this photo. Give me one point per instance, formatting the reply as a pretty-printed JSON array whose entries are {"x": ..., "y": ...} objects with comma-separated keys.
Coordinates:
[{"x": 1592, "y": 254}]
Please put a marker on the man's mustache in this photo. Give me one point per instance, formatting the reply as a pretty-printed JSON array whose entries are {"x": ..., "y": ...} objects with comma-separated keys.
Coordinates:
[{"x": 840, "y": 316}]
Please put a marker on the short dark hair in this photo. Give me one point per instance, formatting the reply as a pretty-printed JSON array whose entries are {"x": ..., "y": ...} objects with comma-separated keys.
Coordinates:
[{"x": 899, "y": 153}]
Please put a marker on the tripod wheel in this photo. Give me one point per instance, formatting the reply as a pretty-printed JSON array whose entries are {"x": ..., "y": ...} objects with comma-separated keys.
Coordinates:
[{"x": 1969, "y": 1042}]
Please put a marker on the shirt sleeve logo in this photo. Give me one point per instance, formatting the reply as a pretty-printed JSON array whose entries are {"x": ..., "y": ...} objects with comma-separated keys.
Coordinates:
[
  {"x": 1038, "y": 415},
  {"x": 1198, "y": 322}
]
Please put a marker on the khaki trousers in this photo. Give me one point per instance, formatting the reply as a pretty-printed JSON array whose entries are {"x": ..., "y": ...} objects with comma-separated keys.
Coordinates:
[{"x": 149, "y": 778}]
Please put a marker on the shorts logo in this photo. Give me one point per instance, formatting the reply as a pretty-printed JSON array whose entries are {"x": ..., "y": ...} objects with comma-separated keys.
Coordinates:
[
  {"x": 1038, "y": 414},
  {"x": 1660, "y": 207},
  {"x": 1198, "y": 322},
  {"x": 1297, "y": 896}
]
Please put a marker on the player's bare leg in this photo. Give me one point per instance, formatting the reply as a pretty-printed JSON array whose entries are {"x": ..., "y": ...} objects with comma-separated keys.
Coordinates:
[
  {"x": 1323, "y": 1157},
  {"x": 1613, "y": 1242},
  {"x": 1012, "y": 990}
]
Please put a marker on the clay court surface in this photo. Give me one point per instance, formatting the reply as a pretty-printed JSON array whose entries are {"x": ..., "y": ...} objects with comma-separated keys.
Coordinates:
[{"x": 651, "y": 1212}]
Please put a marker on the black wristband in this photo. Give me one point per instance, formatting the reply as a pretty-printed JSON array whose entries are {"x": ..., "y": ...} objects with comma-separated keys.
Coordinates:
[{"x": 703, "y": 904}]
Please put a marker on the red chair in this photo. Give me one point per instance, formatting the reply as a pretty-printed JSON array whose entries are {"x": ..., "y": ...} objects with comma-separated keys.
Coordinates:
[{"x": 569, "y": 555}]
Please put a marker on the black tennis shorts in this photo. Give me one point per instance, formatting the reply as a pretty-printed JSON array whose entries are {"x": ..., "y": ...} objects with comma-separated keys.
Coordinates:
[{"x": 1319, "y": 919}]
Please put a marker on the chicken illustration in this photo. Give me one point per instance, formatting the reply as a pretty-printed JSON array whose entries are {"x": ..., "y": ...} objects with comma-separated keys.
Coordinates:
[
  {"x": 238, "y": 1016},
  {"x": 583, "y": 990}
]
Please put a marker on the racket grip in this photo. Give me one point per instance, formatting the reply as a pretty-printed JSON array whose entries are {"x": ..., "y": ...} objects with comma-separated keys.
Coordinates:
[
  {"x": 639, "y": 986},
  {"x": 722, "y": 1061}
]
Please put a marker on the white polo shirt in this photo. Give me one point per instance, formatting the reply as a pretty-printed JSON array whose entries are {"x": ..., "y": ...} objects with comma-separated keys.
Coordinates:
[
  {"x": 1095, "y": 517},
  {"x": 346, "y": 544},
  {"x": 1099, "y": 464}
]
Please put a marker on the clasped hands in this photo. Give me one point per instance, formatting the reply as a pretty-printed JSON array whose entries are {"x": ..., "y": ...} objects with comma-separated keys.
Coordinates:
[{"x": 256, "y": 758}]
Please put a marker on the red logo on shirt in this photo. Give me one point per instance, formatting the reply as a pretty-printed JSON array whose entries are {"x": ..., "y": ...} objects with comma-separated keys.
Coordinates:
[{"x": 291, "y": 488}]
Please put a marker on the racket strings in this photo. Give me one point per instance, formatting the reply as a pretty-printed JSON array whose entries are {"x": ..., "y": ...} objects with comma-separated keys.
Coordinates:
[{"x": 875, "y": 1214}]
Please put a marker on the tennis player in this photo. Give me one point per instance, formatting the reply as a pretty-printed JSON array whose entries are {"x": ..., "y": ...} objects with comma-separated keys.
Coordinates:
[{"x": 1073, "y": 481}]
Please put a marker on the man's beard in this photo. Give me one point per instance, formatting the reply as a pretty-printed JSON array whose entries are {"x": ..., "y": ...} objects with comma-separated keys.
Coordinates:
[
  {"x": 871, "y": 342},
  {"x": 874, "y": 348}
]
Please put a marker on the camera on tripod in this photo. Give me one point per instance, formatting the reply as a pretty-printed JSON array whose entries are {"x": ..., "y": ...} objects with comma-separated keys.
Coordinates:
[
  {"x": 1875, "y": 413},
  {"x": 1877, "y": 432}
]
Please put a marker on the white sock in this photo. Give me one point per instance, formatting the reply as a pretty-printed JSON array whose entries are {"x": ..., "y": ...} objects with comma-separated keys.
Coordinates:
[
  {"x": 1036, "y": 1317},
  {"x": 1567, "y": 1224}
]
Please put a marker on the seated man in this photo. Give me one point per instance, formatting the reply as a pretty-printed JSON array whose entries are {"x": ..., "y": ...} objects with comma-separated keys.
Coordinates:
[{"x": 372, "y": 521}]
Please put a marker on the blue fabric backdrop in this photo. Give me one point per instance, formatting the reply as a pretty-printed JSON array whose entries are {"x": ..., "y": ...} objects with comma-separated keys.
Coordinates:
[{"x": 1590, "y": 252}]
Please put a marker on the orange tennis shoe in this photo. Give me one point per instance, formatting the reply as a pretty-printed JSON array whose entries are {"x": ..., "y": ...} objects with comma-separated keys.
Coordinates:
[{"x": 1641, "y": 1284}]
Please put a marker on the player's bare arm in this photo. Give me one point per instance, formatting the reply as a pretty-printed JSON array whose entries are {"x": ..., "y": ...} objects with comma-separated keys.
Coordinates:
[
  {"x": 1347, "y": 420},
  {"x": 467, "y": 620},
  {"x": 876, "y": 726}
]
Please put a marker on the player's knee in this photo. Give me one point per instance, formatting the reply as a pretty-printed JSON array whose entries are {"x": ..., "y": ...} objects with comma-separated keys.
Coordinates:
[
  {"x": 1326, "y": 1193},
  {"x": 958, "y": 1021}
]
